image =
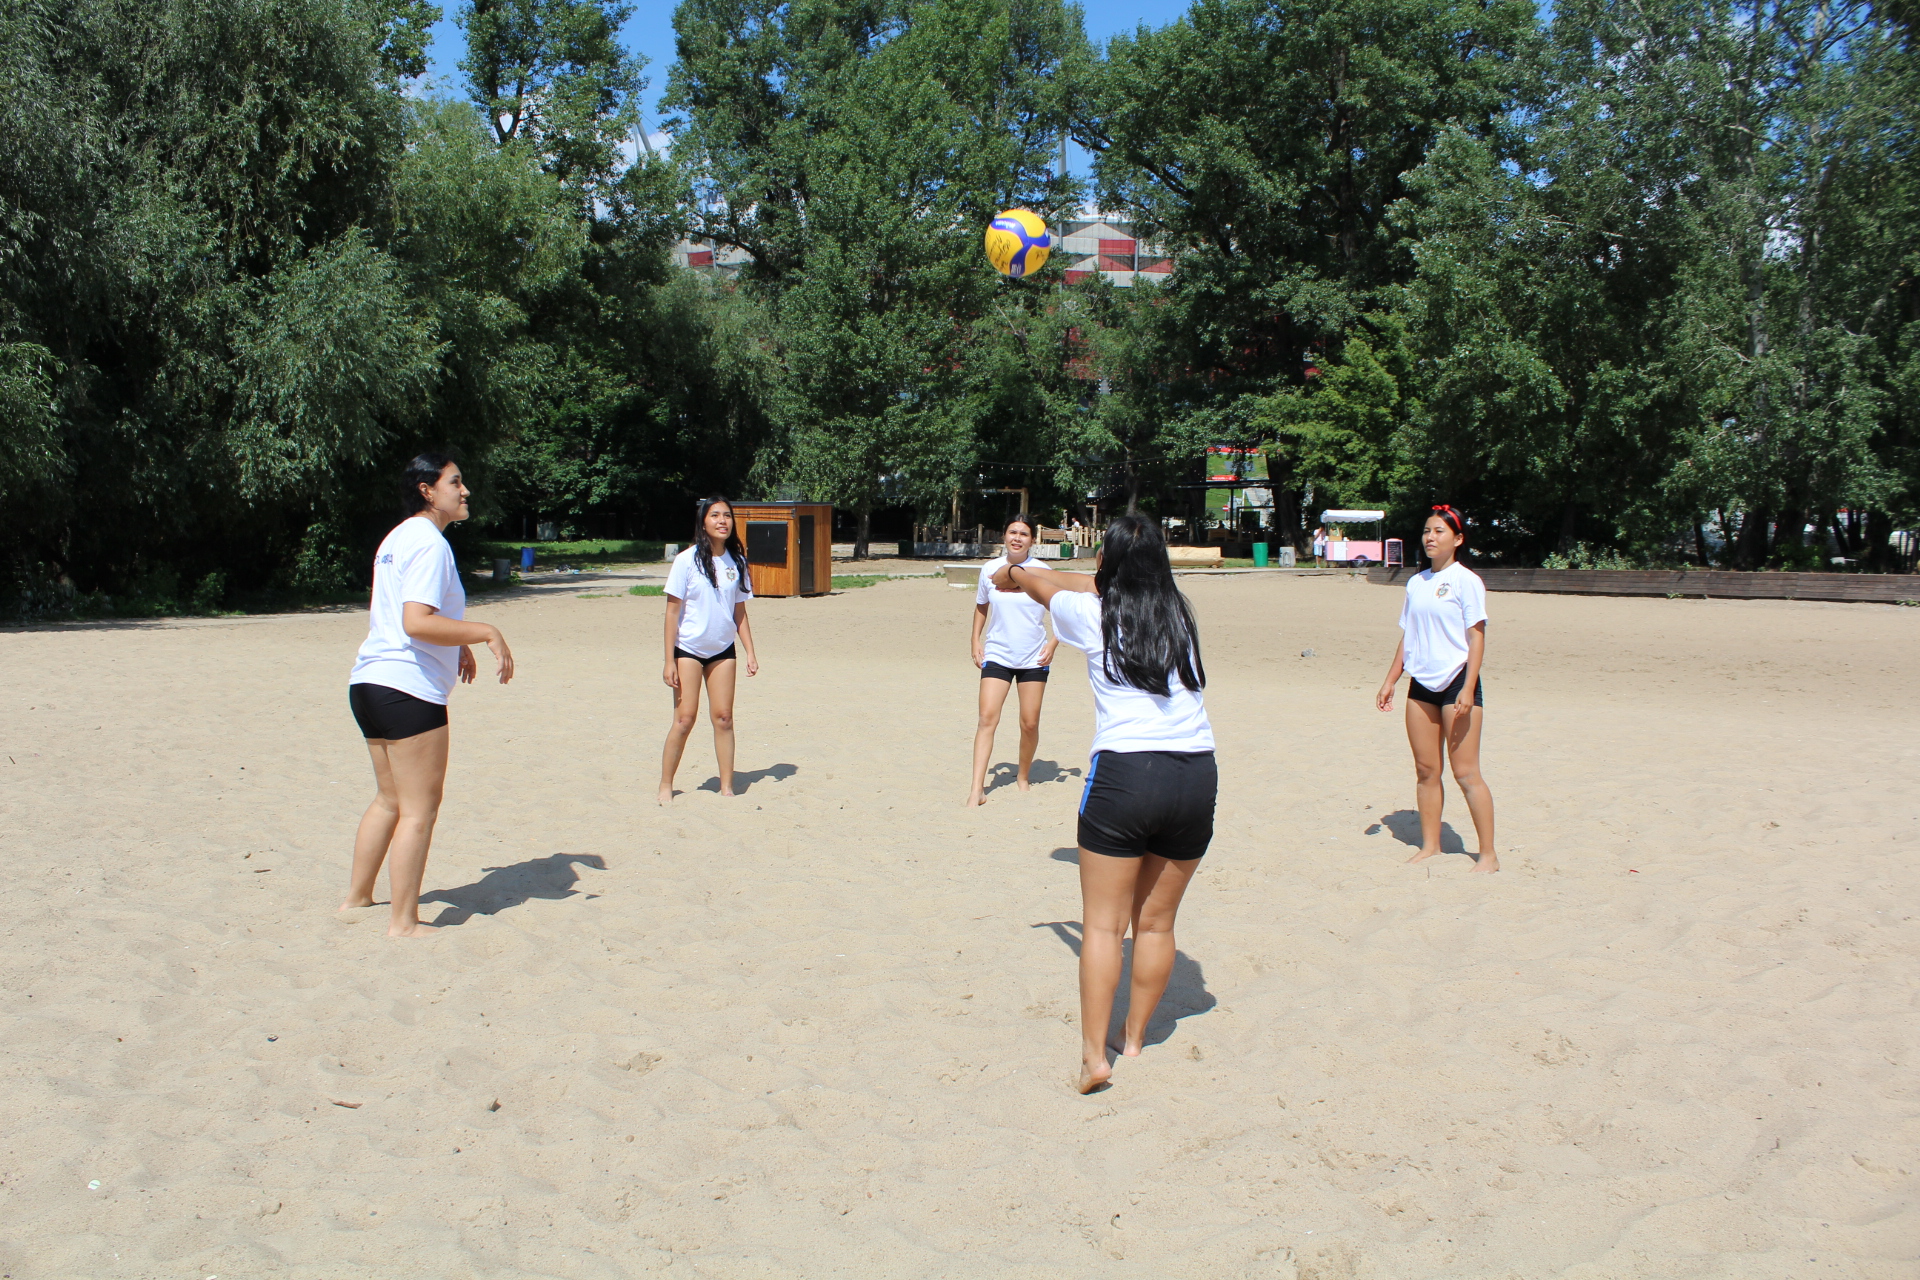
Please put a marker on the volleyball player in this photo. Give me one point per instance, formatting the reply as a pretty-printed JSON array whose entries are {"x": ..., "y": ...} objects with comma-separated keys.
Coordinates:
[
  {"x": 1146, "y": 815},
  {"x": 707, "y": 593},
  {"x": 418, "y": 644},
  {"x": 1443, "y": 642},
  {"x": 1012, "y": 649}
]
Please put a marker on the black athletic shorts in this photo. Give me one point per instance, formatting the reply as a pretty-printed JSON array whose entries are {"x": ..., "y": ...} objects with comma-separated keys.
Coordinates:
[
  {"x": 390, "y": 714},
  {"x": 1448, "y": 696},
  {"x": 1024, "y": 675},
  {"x": 1141, "y": 802},
  {"x": 725, "y": 655}
]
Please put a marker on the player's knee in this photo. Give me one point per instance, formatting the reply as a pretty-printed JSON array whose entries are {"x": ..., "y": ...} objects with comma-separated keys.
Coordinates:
[
  {"x": 1424, "y": 772},
  {"x": 1153, "y": 922},
  {"x": 1467, "y": 778},
  {"x": 683, "y": 721},
  {"x": 988, "y": 720},
  {"x": 723, "y": 720},
  {"x": 1030, "y": 724}
]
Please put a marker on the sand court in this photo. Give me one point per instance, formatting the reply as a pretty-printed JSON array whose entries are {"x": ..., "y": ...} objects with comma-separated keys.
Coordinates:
[{"x": 827, "y": 1027}]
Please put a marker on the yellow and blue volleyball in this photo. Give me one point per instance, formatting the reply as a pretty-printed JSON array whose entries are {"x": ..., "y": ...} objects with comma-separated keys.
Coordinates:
[{"x": 1018, "y": 243}]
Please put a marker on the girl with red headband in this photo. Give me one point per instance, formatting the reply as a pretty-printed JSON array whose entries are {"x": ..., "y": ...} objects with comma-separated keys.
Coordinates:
[{"x": 1443, "y": 641}]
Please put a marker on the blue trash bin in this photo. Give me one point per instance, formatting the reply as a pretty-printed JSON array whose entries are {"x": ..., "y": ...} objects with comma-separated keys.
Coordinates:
[{"x": 526, "y": 557}]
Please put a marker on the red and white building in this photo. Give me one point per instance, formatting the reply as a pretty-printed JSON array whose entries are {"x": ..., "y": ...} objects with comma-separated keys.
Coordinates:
[{"x": 1083, "y": 245}]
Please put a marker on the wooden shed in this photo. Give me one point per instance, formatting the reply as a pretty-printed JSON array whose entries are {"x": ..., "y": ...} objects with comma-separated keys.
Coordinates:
[{"x": 789, "y": 546}]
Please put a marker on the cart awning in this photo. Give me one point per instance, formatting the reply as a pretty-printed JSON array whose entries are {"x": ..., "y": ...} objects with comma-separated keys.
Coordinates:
[{"x": 1349, "y": 517}]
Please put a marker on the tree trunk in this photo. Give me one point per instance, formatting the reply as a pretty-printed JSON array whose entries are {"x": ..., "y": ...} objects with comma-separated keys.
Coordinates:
[
  {"x": 864, "y": 511},
  {"x": 1569, "y": 525},
  {"x": 1878, "y": 553},
  {"x": 1700, "y": 545},
  {"x": 1750, "y": 551}
]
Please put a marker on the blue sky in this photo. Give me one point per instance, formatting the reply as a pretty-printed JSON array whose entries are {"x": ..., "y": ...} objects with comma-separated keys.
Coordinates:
[{"x": 650, "y": 33}]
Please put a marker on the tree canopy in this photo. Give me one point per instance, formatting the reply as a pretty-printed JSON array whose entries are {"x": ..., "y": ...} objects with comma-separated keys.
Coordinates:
[{"x": 1640, "y": 282}]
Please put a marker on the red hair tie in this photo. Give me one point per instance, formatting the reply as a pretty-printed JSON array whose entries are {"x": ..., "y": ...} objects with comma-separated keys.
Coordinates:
[{"x": 1455, "y": 521}]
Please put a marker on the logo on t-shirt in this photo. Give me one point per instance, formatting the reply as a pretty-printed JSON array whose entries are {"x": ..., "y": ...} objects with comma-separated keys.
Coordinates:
[
  {"x": 1440, "y": 593},
  {"x": 730, "y": 573}
]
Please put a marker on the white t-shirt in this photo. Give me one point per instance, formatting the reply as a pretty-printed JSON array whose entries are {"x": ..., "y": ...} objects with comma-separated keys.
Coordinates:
[
  {"x": 706, "y": 617},
  {"x": 1126, "y": 718},
  {"x": 1439, "y": 609},
  {"x": 1016, "y": 623},
  {"x": 414, "y": 563}
]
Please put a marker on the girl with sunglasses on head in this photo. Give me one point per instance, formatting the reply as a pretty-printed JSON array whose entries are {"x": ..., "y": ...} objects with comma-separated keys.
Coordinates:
[
  {"x": 1443, "y": 642},
  {"x": 1146, "y": 816},
  {"x": 1013, "y": 651},
  {"x": 707, "y": 593}
]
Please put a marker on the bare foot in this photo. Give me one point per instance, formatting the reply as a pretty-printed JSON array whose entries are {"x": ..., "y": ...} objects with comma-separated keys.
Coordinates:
[
  {"x": 1094, "y": 1074},
  {"x": 666, "y": 794},
  {"x": 354, "y": 904},
  {"x": 1022, "y": 783},
  {"x": 976, "y": 799},
  {"x": 418, "y": 929},
  {"x": 1130, "y": 1047},
  {"x": 1487, "y": 863},
  {"x": 1423, "y": 855}
]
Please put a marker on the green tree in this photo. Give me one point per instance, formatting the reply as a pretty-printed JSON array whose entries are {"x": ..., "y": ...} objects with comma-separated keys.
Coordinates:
[
  {"x": 854, "y": 152},
  {"x": 1265, "y": 141},
  {"x": 552, "y": 74}
]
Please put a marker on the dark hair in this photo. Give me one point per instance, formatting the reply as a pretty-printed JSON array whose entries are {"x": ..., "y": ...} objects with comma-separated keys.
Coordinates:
[
  {"x": 1033, "y": 530},
  {"x": 1146, "y": 625},
  {"x": 703, "y": 545},
  {"x": 1451, "y": 518},
  {"x": 425, "y": 470}
]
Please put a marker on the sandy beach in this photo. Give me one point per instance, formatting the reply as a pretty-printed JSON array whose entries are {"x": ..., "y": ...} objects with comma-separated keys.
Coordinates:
[{"x": 826, "y": 1028}]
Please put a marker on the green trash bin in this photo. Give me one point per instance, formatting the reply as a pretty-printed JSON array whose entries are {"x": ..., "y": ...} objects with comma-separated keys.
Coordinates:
[{"x": 1259, "y": 555}]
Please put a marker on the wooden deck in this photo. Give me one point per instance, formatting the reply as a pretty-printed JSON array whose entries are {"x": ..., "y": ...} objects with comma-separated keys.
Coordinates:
[{"x": 1851, "y": 588}]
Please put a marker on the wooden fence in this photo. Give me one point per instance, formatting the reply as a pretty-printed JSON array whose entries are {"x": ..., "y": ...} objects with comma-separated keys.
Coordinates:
[{"x": 1852, "y": 588}]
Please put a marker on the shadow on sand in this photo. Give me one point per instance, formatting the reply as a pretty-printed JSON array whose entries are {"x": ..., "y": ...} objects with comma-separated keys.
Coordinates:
[
  {"x": 1186, "y": 995},
  {"x": 743, "y": 779},
  {"x": 1405, "y": 826},
  {"x": 1006, "y": 773},
  {"x": 501, "y": 887}
]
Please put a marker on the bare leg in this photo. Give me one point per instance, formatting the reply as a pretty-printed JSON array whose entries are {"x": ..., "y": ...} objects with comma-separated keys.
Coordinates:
[
  {"x": 1031, "y": 694},
  {"x": 376, "y": 831},
  {"x": 686, "y": 709},
  {"x": 993, "y": 696},
  {"x": 1156, "y": 900},
  {"x": 720, "y": 680},
  {"x": 419, "y": 766},
  {"x": 1423, "y": 732},
  {"x": 1463, "y": 748},
  {"x": 1110, "y": 895}
]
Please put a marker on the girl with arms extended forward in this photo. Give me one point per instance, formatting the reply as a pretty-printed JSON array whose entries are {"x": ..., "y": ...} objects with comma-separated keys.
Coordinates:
[{"x": 1146, "y": 816}]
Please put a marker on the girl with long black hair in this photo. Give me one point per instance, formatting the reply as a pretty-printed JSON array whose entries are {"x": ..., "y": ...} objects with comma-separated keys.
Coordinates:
[
  {"x": 418, "y": 646},
  {"x": 1146, "y": 816},
  {"x": 1443, "y": 643},
  {"x": 707, "y": 593}
]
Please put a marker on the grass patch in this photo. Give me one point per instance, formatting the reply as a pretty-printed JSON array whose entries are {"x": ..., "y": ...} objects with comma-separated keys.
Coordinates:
[
  {"x": 647, "y": 589},
  {"x": 596, "y": 595},
  {"x": 589, "y": 551},
  {"x": 854, "y": 581}
]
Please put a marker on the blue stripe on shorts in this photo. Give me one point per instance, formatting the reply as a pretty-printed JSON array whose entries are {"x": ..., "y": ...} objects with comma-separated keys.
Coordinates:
[{"x": 1087, "y": 790}]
